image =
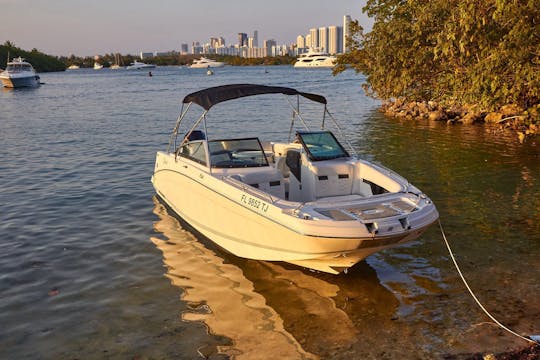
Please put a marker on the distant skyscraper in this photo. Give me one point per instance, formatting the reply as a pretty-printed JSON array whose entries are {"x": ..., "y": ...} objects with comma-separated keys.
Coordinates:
[
  {"x": 270, "y": 46},
  {"x": 346, "y": 32},
  {"x": 314, "y": 38},
  {"x": 184, "y": 49},
  {"x": 308, "y": 41},
  {"x": 242, "y": 39},
  {"x": 335, "y": 38},
  {"x": 300, "y": 42},
  {"x": 323, "y": 39},
  {"x": 255, "y": 38}
]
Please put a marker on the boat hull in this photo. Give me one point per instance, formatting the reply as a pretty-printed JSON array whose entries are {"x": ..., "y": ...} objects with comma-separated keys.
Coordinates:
[
  {"x": 20, "y": 82},
  {"x": 207, "y": 65},
  {"x": 259, "y": 229}
]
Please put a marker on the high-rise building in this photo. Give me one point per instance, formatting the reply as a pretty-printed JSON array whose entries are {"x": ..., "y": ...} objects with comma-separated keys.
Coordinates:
[
  {"x": 242, "y": 39},
  {"x": 300, "y": 42},
  {"x": 308, "y": 41},
  {"x": 323, "y": 39},
  {"x": 255, "y": 39},
  {"x": 335, "y": 38},
  {"x": 346, "y": 32},
  {"x": 270, "y": 46},
  {"x": 184, "y": 49},
  {"x": 314, "y": 38}
]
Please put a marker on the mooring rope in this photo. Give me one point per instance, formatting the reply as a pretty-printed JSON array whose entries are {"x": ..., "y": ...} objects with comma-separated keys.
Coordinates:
[{"x": 474, "y": 296}]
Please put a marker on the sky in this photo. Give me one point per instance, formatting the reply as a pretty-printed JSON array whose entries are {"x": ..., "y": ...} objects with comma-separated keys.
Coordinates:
[{"x": 87, "y": 28}]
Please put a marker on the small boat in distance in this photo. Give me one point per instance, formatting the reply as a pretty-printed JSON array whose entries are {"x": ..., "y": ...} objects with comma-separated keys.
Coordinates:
[
  {"x": 97, "y": 66},
  {"x": 205, "y": 63},
  {"x": 73, "y": 67},
  {"x": 315, "y": 59},
  {"x": 117, "y": 61},
  {"x": 19, "y": 73},
  {"x": 137, "y": 65},
  {"x": 308, "y": 201}
]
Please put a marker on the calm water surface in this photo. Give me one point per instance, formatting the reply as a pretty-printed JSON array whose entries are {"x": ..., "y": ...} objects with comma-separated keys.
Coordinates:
[{"x": 92, "y": 266}]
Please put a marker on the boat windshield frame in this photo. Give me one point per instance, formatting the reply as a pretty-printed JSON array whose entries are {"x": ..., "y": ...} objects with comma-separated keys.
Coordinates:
[
  {"x": 236, "y": 153},
  {"x": 326, "y": 147}
]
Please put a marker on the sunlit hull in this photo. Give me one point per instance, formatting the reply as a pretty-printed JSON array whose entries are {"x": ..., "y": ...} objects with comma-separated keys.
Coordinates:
[{"x": 251, "y": 225}]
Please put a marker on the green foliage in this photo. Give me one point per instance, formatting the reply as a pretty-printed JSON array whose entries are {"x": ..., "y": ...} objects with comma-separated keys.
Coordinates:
[
  {"x": 484, "y": 52},
  {"x": 40, "y": 61}
]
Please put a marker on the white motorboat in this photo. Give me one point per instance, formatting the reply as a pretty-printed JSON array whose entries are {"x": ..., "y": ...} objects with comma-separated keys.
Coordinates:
[
  {"x": 137, "y": 65},
  {"x": 73, "y": 67},
  {"x": 204, "y": 63},
  {"x": 19, "y": 73},
  {"x": 97, "y": 66},
  {"x": 309, "y": 201},
  {"x": 315, "y": 59}
]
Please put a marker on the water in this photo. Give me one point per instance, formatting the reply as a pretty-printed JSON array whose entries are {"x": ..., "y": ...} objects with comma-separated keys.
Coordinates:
[{"x": 91, "y": 266}]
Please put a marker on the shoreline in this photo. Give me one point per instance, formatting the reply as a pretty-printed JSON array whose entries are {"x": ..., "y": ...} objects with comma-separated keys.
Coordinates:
[{"x": 524, "y": 123}]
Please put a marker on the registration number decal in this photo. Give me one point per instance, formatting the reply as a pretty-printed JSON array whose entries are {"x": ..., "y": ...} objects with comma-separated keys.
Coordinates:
[{"x": 254, "y": 203}]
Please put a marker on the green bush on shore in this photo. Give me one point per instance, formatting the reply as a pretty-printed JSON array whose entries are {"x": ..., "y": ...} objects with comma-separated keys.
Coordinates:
[
  {"x": 454, "y": 53},
  {"x": 40, "y": 61}
]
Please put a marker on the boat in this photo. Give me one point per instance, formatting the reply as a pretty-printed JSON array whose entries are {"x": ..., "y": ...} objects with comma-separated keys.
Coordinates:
[
  {"x": 315, "y": 59},
  {"x": 19, "y": 73},
  {"x": 307, "y": 201},
  {"x": 117, "y": 61},
  {"x": 203, "y": 63},
  {"x": 137, "y": 65},
  {"x": 209, "y": 71},
  {"x": 73, "y": 67},
  {"x": 97, "y": 66}
]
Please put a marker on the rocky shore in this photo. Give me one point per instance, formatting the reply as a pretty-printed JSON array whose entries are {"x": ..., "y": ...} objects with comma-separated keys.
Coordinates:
[{"x": 525, "y": 123}]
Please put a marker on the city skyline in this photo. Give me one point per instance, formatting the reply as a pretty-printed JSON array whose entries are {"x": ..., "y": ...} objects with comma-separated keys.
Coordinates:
[{"x": 65, "y": 27}]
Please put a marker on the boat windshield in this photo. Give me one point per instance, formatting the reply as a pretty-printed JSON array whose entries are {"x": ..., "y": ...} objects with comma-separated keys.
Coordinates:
[
  {"x": 18, "y": 67},
  {"x": 237, "y": 153},
  {"x": 321, "y": 145}
]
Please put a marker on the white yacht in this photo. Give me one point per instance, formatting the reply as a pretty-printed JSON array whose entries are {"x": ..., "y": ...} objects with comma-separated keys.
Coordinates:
[
  {"x": 315, "y": 59},
  {"x": 204, "y": 63},
  {"x": 137, "y": 65},
  {"x": 308, "y": 201},
  {"x": 19, "y": 73},
  {"x": 73, "y": 67},
  {"x": 97, "y": 66}
]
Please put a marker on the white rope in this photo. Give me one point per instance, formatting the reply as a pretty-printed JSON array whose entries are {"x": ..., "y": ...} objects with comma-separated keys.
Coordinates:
[{"x": 474, "y": 296}]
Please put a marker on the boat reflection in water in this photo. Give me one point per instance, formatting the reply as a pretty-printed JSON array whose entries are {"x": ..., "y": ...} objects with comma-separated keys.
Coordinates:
[
  {"x": 274, "y": 308},
  {"x": 222, "y": 297}
]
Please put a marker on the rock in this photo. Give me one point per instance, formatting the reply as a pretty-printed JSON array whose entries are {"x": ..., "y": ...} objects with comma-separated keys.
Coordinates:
[
  {"x": 510, "y": 109},
  {"x": 470, "y": 118},
  {"x": 493, "y": 117},
  {"x": 437, "y": 115},
  {"x": 423, "y": 107},
  {"x": 432, "y": 105}
]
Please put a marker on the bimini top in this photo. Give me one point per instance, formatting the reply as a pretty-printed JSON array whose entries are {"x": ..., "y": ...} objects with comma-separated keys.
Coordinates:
[{"x": 214, "y": 95}]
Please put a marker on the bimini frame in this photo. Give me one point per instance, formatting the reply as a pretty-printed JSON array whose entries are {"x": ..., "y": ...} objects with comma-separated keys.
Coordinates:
[{"x": 209, "y": 97}]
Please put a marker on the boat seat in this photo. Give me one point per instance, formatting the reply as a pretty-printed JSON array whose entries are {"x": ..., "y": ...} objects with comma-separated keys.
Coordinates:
[
  {"x": 269, "y": 180},
  {"x": 280, "y": 153},
  {"x": 331, "y": 179}
]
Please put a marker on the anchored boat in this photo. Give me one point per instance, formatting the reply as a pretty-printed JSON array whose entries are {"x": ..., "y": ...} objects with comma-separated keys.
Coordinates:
[
  {"x": 308, "y": 201},
  {"x": 18, "y": 74}
]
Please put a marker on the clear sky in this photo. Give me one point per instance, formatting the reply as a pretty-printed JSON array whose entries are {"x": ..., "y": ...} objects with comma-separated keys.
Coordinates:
[{"x": 64, "y": 27}]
